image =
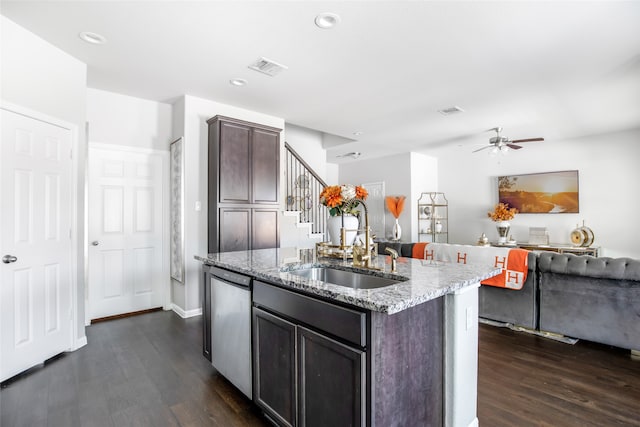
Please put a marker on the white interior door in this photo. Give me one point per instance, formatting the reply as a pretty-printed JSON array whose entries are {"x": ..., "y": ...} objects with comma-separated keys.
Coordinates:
[
  {"x": 126, "y": 248},
  {"x": 35, "y": 242}
]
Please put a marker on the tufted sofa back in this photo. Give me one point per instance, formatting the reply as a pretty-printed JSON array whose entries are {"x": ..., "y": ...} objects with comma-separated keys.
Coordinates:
[{"x": 601, "y": 268}]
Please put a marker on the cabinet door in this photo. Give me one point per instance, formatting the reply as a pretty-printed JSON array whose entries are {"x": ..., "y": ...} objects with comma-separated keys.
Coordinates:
[
  {"x": 331, "y": 379},
  {"x": 234, "y": 163},
  {"x": 274, "y": 384},
  {"x": 235, "y": 229},
  {"x": 266, "y": 166},
  {"x": 265, "y": 229}
]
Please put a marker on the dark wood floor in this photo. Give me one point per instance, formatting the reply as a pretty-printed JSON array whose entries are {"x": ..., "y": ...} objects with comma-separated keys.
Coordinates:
[
  {"x": 525, "y": 380},
  {"x": 148, "y": 371}
]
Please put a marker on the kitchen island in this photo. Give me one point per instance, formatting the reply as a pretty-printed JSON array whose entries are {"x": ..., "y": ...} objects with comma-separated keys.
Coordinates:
[{"x": 325, "y": 354}]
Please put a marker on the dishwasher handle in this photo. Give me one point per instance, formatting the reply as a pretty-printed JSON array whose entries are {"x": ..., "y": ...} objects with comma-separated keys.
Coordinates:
[{"x": 231, "y": 277}]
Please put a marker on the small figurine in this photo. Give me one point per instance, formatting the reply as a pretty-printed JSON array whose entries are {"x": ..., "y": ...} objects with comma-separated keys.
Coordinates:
[{"x": 483, "y": 240}]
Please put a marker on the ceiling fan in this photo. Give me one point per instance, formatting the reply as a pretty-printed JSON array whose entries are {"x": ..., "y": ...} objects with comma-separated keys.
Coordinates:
[{"x": 502, "y": 144}]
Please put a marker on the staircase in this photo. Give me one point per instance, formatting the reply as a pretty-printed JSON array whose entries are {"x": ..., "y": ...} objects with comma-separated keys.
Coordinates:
[{"x": 304, "y": 220}]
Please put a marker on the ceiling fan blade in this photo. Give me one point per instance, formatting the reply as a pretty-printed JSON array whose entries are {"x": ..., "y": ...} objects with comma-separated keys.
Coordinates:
[
  {"x": 513, "y": 146},
  {"x": 480, "y": 149},
  {"x": 527, "y": 140}
]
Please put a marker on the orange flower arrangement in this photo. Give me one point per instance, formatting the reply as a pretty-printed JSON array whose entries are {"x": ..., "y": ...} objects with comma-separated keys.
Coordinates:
[
  {"x": 502, "y": 212},
  {"x": 395, "y": 204},
  {"x": 337, "y": 198}
]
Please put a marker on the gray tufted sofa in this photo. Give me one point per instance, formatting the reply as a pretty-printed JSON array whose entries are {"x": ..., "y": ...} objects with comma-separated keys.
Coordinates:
[{"x": 596, "y": 299}]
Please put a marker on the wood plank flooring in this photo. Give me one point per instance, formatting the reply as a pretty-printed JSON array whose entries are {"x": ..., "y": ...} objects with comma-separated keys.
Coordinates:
[
  {"x": 148, "y": 371},
  {"x": 525, "y": 380}
]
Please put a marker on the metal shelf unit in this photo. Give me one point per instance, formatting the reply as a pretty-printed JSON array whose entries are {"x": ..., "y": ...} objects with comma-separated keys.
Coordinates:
[{"x": 433, "y": 218}]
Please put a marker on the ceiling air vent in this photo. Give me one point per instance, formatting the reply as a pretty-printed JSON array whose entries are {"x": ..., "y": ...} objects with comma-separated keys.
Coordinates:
[
  {"x": 451, "y": 110},
  {"x": 267, "y": 66}
]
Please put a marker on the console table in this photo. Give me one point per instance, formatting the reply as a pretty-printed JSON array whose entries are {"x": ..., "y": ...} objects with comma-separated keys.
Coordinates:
[{"x": 563, "y": 249}]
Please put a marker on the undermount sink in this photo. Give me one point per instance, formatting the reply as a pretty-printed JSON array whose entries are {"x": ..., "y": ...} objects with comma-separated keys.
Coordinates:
[{"x": 346, "y": 278}]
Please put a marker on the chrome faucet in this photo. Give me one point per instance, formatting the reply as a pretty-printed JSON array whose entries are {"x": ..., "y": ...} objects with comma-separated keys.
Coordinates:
[{"x": 394, "y": 259}]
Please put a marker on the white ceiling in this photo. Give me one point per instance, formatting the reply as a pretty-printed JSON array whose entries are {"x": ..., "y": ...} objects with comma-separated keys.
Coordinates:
[{"x": 543, "y": 68}]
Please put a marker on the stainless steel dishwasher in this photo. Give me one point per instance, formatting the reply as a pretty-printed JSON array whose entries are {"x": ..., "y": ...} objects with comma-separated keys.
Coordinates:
[{"x": 231, "y": 326}]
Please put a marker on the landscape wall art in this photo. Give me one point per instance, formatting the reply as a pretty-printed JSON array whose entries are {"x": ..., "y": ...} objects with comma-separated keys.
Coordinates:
[{"x": 549, "y": 192}]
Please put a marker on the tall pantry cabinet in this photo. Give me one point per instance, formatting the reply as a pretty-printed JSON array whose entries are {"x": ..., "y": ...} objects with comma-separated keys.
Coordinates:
[{"x": 244, "y": 185}]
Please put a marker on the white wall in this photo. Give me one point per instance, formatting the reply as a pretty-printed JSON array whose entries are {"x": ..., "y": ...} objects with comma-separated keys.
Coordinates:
[
  {"x": 406, "y": 174},
  {"x": 333, "y": 174},
  {"x": 424, "y": 178},
  {"x": 308, "y": 144},
  {"x": 124, "y": 120},
  {"x": 394, "y": 171},
  {"x": 609, "y": 197},
  {"x": 196, "y": 113},
  {"x": 39, "y": 76}
]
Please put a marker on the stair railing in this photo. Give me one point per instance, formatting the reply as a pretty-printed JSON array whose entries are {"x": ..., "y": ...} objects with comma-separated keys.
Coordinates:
[{"x": 303, "y": 188}]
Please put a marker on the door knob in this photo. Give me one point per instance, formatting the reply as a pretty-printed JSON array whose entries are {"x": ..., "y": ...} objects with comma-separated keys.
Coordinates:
[
  {"x": 95, "y": 243},
  {"x": 8, "y": 259}
]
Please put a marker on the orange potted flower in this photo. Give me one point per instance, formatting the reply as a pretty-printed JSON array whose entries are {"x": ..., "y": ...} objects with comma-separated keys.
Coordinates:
[
  {"x": 342, "y": 210},
  {"x": 501, "y": 215},
  {"x": 337, "y": 198}
]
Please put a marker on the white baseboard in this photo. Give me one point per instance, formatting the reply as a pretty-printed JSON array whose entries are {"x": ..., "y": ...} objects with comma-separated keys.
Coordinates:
[
  {"x": 185, "y": 314},
  {"x": 474, "y": 423},
  {"x": 80, "y": 342}
]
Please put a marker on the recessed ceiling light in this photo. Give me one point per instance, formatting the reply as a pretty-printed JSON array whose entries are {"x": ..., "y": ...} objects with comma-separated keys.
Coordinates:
[
  {"x": 327, "y": 20},
  {"x": 238, "y": 82},
  {"x": 93, "y": 38},
  {"x": 358, "y": 133}
]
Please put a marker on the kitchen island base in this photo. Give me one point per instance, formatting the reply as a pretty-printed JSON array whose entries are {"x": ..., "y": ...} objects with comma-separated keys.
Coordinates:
[{"x": 400, "y": 354}]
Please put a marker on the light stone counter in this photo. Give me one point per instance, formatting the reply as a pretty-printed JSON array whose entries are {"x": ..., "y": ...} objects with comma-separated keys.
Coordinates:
[{"x": 426, "y": 280}]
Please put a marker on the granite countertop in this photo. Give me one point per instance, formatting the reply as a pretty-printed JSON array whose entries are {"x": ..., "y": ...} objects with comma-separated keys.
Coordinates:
[{"x": 427, "y": 280}]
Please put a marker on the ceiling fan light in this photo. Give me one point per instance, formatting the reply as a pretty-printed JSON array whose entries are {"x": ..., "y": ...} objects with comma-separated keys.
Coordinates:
[
  {"x": 494, "y": 151},
  {"x": 504, "y": 150}
]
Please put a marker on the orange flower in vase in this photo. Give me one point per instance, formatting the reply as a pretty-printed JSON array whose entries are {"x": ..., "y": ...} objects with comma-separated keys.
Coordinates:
[
  {"x": 395, "y": 204},
  {"x": 501, "y": 215}
]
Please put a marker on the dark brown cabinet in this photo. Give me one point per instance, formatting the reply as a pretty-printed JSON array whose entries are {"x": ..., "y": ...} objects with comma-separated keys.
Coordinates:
[
  {"x": 321, "y": 363},
  {"x": 302, "y": 376},
  {"x": 233, "y": 158},
  {"x": 236, "y": 223},
  {"x": 330, "y": 381},
  {"x": 274, "y": 345},
  {"x": 265, "y": 167},
  {"x": 243, "y": 192}
]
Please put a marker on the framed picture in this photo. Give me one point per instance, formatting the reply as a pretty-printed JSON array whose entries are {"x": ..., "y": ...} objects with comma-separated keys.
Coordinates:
[
  {"x": 548, "y": 192},
  {"x": 177, "y": 210}
]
